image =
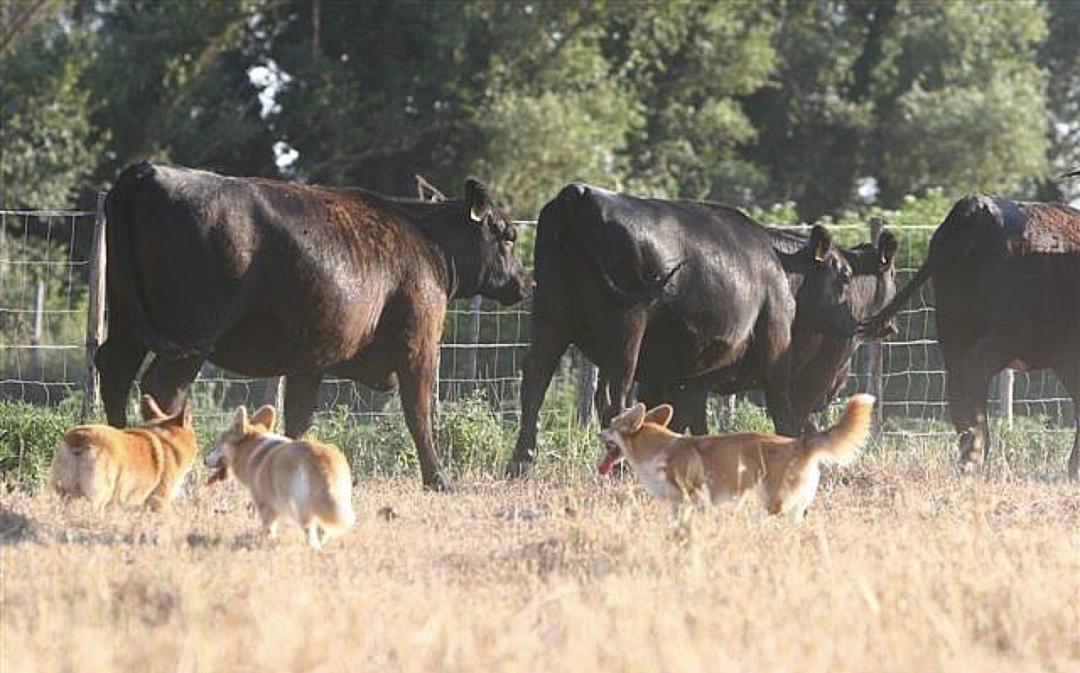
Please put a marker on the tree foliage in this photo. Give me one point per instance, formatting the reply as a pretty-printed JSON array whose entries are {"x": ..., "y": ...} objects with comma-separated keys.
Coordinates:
[{"x": 753, "y": 103}]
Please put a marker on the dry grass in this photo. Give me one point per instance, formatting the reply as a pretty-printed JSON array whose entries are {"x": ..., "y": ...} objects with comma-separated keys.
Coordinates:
[{"x": 899, "y": 567}]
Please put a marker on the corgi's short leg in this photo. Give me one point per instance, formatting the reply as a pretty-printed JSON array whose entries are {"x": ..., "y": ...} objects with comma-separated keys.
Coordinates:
[
  {"x": 314, "y": 535},
  {"x": 269, "y": 518}
]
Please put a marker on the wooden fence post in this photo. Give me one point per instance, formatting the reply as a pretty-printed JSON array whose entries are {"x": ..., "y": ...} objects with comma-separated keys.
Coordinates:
[
  {"x": 37, "y": 359},
  {"x": 472, "y": 355},
  {"x": 275, "y": 394},
  {"x": 1005, "y": 394},
  {"x": 874, "y": 355},
  {"x": 95, "y": 314},
  {"x": 586, "y": 391}
]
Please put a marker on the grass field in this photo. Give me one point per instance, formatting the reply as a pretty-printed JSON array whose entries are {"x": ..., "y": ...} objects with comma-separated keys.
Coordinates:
[{"x": 901, "y": 565}]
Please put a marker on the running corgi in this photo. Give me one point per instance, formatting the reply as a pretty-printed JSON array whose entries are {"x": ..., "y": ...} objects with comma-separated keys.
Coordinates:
[
  {"x": 783, "y": 470},
  {"x": 306, "y": 480}
]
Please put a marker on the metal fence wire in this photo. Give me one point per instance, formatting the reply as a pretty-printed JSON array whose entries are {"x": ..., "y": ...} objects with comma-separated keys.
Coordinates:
[{"x": 44, "y": 298}]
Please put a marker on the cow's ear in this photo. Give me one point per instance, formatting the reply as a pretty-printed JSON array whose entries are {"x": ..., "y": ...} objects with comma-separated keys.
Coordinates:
[
  {"x": 660, "y": 415},
  {"x": 240, "y": 420},
  {"x": 265, "y": 416},
  {"x": 887, "y": 247},
  {"x": 820, "y": 242},
  {"x": 476, "y": 200},
  {"x": 150, "y": 410},
  {"x": 629, "y": 421}
]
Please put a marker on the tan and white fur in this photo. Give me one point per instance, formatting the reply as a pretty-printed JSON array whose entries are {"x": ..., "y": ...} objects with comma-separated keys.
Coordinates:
[
  {"x": 305, "y": 480},
  {"x": 134, "y": 466},
  {"x": 784, "y": 471}
]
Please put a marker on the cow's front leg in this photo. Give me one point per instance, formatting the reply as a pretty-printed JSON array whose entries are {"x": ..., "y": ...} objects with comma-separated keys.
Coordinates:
[
  {"x": 301, "y": 392},
  {"x": 778, "y": 381},
  {"x": 417, "y": 385}
]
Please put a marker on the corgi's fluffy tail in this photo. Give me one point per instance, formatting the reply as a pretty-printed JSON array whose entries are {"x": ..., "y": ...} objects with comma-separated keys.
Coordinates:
[
  {"x": 841, "y": 443},
  {"x": 336, "y": 512}
]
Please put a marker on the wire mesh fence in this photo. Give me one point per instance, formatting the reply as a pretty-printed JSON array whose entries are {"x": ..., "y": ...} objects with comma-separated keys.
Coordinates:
[{"x": 43, "y": 315}]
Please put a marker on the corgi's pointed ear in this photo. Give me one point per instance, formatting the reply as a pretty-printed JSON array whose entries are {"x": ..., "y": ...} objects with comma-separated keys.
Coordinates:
[
  {"x": 150, "y": 410},
  {"x": 183, "y": 417},
  {"x": 240, "y": 419},
  {"x": 660, "y": 415},
  {"x": 265, "y": 416},
  {"x": 629, "y": 421}
]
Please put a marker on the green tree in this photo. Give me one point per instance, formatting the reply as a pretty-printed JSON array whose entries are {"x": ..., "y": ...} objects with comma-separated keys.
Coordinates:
[
  {"x": 911, "y": 94},
  {"x": 48, "y": 143},
  {"x": 174, "y": 87}
]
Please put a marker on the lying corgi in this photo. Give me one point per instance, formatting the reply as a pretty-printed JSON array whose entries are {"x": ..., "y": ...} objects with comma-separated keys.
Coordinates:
[
  {"x": 306, "y": 480},
  {"x": 135, "y": 466},
  {"x": 783, "y": 470}
]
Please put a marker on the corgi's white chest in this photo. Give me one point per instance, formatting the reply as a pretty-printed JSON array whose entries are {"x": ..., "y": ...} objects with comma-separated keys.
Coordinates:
[{"x": 653, "y": 473}]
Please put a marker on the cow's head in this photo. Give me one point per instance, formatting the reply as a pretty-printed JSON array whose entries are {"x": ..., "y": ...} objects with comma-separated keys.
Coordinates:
[
  {"x": 824, "y": 298},
  {"x": 499, "y": 273},
  {"x": 874, "y": 283}
]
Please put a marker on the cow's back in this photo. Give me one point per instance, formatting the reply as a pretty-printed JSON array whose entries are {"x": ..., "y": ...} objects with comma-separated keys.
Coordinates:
[
  {"x": 276, "y": 273},
  {"x": 728, "y": 273},
  {"x": 1009, "y": 268}
]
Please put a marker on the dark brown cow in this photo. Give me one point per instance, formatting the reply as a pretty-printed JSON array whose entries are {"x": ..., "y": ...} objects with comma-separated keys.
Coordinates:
[
  {"x": 267, "y": 278},
  {"x": 664, "y": 291},
  {"x": 1006, "y": 278}
]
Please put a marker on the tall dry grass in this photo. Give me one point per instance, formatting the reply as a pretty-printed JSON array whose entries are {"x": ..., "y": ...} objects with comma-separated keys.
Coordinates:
[{"x": 900, "y": 566}]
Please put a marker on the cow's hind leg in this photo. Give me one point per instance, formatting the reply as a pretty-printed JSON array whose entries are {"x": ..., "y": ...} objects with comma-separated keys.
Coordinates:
[
  {"x": 986, "y": 357},
  {"x": 168, "y": 379},
  {"x": 537, "y": 370},
  {"x": 620, "y": 367},
  {"x": 118, "y": 361},
  {"x": 301, "y": 393},
  {"x": 1070, "y": 378}
]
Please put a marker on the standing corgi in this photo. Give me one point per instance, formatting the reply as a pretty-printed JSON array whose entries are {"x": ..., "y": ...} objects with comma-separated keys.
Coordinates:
[
  {"x": 783, "y": 470},
  {"x": 134, "y": 466},
  {"x": 306, "y": 480}
]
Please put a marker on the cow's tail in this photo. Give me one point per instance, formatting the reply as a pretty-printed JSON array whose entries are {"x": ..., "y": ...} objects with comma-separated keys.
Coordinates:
[
  {"x": 121, "y": 260},
  {"x": 874, "y": 325},
  {"x": 650, "y": 290},
  {"x": 841, "y": 443},
  {"x": 1073, "y": 174}
]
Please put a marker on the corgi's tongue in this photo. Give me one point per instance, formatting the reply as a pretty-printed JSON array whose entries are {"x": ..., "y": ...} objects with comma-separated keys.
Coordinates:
[
  {"x": 607, "y": 465},
  {"x": 218, "y": 475}
]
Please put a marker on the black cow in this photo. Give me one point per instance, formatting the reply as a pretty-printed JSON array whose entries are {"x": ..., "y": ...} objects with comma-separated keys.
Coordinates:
[
  {"x": 1006, "y": 278},
  {"x": 267, "y": 278},
  {"x": 820, "y": 360},
  {"x": 665, "y": 290}
]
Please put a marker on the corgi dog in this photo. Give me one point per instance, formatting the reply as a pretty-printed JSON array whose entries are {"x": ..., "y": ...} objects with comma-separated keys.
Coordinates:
[
  {"x": 305, "y": 480},
  {"x": 144, "y": 465},
  {"x": 784, "y": 471}
]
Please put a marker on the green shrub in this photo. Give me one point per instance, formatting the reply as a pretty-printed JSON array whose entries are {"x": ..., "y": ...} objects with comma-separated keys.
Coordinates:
[{"x": 28, "y": 435}]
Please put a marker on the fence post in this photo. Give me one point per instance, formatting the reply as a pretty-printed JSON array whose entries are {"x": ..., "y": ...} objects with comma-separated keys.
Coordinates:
[
  {"x": 1005, "y": 394},
  {"x": 37, "y": 361},
  {"x": 275, "y": 394},
  {"x": 95, "y": 314},
  {"x": 874, "y": 355},
  {"x": 586, "y": 391},
  {"x": 472, "y": 355}
]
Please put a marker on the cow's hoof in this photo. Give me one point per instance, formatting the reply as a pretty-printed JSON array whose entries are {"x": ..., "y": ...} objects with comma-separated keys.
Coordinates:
[
  {"x": 519, "y": 468},
  {"x": 440, "y": 483}
]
